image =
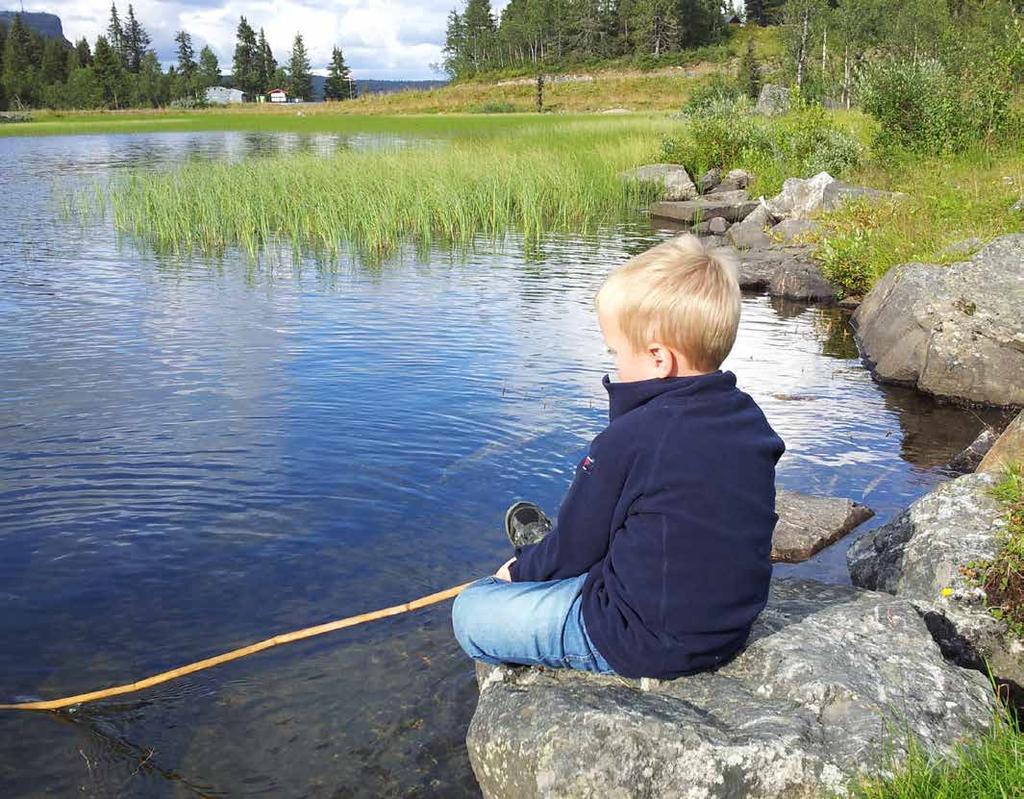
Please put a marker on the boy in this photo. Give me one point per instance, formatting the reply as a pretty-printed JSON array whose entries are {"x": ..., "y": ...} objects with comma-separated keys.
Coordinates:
[{"x": 660, "y": 559}]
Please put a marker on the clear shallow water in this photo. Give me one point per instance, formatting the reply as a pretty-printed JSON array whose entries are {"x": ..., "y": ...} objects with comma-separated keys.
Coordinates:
[{"x": 193, "y": 457}]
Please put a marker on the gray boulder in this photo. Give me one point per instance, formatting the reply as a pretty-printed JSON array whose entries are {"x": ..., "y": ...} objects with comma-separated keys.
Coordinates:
[
  {"x": 788, "y": 272},
  {"x": 736, "y": 180},
  {"x": 807, "y": 524},
  {"x": 836, "y": 193},
  {"x": 918, "y": 557},
  {"x": 830, "y": 680},
  {"x": 801, "y": 280},
  {"x": 1018, "y": 206},
  {"x": 718, "y": 226},
  {"x": 955, "y": 332},
  {"x": 710, "y": 180},
  {"x": 795, "y": 231},
  {"x": 732, "y": 207},
  {"x": 672, "y": 178},
  {"x": 1007, "y": 449},
  {"x": 800, "y": 197},
  {"x": 773, "y": 99},
  {"x": 750, "y": 233}
]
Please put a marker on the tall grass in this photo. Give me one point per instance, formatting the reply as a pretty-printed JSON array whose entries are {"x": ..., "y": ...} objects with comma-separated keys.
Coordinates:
[
  {"x": 531, "y": 180},
  {"x": 991, "y": 767}
]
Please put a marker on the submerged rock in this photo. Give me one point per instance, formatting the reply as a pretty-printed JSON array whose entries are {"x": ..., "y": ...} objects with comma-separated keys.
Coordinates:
[
  {"x": 918, "y": 556},
  {"x": 956, "y": 332},
  {"x": 673, "y": 178},
  {"x": 807, "y": 524},
  {"x": 969, "y": 458},
  {"x": 733, "y": 207},
  {"x": 831, "y": 681},
  {"x": 1007, "y": 449}
]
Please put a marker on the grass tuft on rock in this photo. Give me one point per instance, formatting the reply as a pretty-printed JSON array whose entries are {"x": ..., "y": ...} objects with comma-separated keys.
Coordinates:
[{"x": 1003, "y": 578}]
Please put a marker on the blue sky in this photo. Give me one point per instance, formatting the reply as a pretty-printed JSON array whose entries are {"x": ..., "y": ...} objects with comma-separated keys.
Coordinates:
[{"x": 387, "y": 39}]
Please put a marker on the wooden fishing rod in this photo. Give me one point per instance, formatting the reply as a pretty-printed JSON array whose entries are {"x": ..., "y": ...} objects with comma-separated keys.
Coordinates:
[{"x": 237, "y": 654}]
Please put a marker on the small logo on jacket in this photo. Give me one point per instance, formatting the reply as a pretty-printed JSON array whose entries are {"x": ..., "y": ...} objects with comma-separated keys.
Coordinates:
[{"x": 587, "y": 464}]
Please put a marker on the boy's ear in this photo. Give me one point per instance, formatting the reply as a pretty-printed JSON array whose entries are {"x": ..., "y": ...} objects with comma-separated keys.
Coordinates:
[{"x": 663, "y": 359}]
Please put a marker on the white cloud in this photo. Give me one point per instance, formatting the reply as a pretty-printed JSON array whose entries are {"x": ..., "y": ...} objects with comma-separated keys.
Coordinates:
[{"x": 380, "y": 39}]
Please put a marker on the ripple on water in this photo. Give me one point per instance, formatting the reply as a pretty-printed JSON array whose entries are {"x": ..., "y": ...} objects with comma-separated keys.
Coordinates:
[{"x": 195, "y": 457}]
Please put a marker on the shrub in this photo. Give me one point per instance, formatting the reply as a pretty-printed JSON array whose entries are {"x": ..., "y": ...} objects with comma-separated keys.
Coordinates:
[
  {"x": 922, "y": 107},
  {"x": 708, "y": 98},
  {"x": 799, "y": 144},
  {"x": 493, "y": 107}
]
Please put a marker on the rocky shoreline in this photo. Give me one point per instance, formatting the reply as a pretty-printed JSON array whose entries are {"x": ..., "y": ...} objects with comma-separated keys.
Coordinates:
[{"x": 835, "y": 681}]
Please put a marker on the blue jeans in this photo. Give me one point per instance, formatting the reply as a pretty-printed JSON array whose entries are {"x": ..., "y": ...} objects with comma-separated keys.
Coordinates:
[{"x": 529, "y": 623}]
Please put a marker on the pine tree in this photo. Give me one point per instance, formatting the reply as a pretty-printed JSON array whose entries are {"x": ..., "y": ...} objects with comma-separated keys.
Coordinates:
[
  {"x": 115, "y": 35},
  {"x": 19, "y": 78},
  {"x": 454, "y": 50},
  {"x": 478, "y": 26},
  {"x": 109, "y": 74},
  {"x": 136, "y": 42},
  {"x": 83, "y": 52},
  {"x": 244, "y": 75},
  {"x": 149, "y": 82},
  {"x": 186, "y": 56},
  {"x": 54, "y": 65},
  {"x": 209, "y": 70},
  {"x": 3, "y": 45},
  {"x": 266, "y": 64},
  {"x": 339, "y": 84},
  {"x": 299, "y": 76}
]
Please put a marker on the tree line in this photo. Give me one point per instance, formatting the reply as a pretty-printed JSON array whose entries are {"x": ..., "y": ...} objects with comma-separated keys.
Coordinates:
[
  {"x": 120, "y": 70},
  {"x": 553, "y": 32}
]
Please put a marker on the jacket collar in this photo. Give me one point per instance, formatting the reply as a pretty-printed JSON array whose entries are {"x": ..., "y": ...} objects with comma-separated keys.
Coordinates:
[{"x": 625, "y": 397}]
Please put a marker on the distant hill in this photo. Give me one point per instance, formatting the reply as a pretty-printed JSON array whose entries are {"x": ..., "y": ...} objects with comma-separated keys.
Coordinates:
[
  {"x": 378, "y": 86},
  {"x": 47, "y": 25}
]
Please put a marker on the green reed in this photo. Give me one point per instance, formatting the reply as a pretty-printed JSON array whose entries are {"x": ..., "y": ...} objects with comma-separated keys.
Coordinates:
[{"x": 530, "y": 180}]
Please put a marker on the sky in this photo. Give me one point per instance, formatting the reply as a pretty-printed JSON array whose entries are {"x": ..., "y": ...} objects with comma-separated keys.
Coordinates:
[{"x": 383, "y": 39}]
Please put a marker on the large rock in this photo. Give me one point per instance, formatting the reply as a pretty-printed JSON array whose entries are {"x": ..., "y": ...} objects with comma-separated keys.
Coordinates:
[
  {"x": 836, "y": 193},
  {"x": 750, "y": 233},
  {"x": 788, "y": 272},
  {"x": 773, "y": 100},
  {"x": 733, "y": 207},
  {"x": 830, "y": 680},
  {"x": 673, "y": 179},
  {"x": 800, "y": 197},
  {"x": 1008, "y": 448},
  {"x": 736, "y": 180},
  {"x": 46, "y": 25},
  {"x": 918, "y": 556},
  {"x": 808, "y": 524},
  {"x": 956, "y": 332}
]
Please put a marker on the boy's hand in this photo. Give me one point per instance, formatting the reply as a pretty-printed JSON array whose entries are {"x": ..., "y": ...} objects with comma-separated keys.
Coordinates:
[{"x": 502, "y": 573}]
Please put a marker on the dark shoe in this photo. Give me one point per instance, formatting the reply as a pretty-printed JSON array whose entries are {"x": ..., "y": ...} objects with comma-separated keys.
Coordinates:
[{"x": 525, "y": 524}]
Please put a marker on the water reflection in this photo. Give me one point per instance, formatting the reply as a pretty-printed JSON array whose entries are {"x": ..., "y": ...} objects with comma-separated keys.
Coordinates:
[{"x": 198, "y": 455}]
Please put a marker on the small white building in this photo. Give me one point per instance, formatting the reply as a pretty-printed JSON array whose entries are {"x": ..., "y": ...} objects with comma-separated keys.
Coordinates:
[
  {"x": 220, "y": 95},
  {"x": 278, "y": 96}
]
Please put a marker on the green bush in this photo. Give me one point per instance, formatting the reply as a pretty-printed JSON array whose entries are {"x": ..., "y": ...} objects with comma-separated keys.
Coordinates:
[
  {"x": 921, "y": 107},
  {"x": 709, "y": 97},
  {"x": 798, "y": 144}
]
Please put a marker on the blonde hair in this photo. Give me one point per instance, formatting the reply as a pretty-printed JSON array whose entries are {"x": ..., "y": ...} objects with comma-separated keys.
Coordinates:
[{"x": 681, "y": 294}]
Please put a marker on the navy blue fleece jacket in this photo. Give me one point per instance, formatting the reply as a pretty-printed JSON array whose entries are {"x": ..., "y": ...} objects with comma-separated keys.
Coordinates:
[{"x": 670, "y": 515}]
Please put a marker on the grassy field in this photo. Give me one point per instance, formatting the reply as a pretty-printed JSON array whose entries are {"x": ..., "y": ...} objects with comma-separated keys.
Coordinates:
[
  {"x": 529, "y": 176},
  {"x": 458, "y": 107}
]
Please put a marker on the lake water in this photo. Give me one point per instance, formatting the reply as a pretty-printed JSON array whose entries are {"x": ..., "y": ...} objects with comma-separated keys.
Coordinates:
[{"x": 196, "y": 456}]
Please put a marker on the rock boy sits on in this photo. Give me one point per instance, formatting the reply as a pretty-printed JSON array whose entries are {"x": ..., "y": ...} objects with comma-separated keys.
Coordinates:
[{"x": 659, "y": 562}]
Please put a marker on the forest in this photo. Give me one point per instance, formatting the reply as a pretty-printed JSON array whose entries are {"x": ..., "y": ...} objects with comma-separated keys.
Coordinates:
[{"x": 121, "y": 70}]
